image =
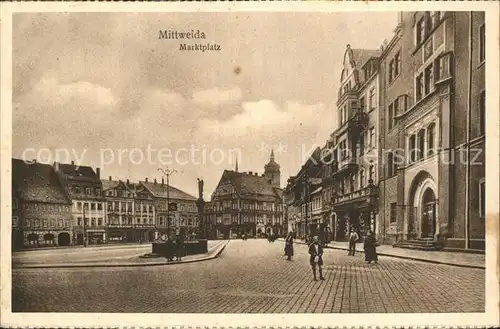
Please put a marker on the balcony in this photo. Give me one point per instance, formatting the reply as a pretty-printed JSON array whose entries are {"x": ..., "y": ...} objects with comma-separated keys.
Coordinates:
[
  {"x": 346, "y": 166},
  {"x": 358, "y": 122}
]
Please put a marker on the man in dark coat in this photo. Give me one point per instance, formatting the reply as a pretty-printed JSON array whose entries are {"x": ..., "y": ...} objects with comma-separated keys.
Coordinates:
[
  {"x": 289, "y": 246},
  {"x": 316, "y": 257},
  {"x": 169, "y": 245},
  {"x": 179, "y": 244},
  {"x": 370, "y": 249}
]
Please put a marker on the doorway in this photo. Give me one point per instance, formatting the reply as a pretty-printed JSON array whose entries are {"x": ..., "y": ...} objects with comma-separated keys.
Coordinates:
[{"x": 428, "y": 222}]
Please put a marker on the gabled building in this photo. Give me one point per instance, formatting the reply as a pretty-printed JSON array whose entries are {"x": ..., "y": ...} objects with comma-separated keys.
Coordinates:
[
  {"x": 354, "y": 144},
  {"x": 41, "y": 209},
  {"x": 247, "y": 203},
  {"x": 181, "y": 216},
  {"x": 84, "y": 188}
]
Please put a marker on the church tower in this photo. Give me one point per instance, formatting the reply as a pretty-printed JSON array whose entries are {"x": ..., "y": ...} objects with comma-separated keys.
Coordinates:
[{"x": 272, "y": 171}]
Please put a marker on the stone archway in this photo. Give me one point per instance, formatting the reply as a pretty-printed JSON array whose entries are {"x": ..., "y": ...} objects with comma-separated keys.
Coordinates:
[
  {"x": 428, "y": 214},
  {"x": 422, "y": 220},
  {"x": 63, "y": 239}
]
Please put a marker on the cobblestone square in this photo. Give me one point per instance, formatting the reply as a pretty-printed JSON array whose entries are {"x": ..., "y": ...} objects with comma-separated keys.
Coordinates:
[{"x": 254, "y": 277}]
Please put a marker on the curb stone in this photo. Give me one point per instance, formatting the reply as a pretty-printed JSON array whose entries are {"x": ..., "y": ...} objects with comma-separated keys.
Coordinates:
[{"x": 42, "y": 266}]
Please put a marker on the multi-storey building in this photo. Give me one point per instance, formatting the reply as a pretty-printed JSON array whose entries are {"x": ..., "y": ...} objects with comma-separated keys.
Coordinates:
[
  {"x": 247, "y": 203},
  {"x": 84, "y": 187},
  {"x": 300, "y": 192},
  {"x": 181, "y": 215},
  {"x": 353, "y": 144},
  {"x": 130, "y": 211},
  {"x": 41, "y": 210},
  {"x": 432, "y": 129}
]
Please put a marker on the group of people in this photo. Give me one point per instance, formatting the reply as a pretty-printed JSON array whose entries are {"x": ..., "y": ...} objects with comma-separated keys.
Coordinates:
[
  {"x": 316, "y": 250},
  {"x": 175, "y": 247}
]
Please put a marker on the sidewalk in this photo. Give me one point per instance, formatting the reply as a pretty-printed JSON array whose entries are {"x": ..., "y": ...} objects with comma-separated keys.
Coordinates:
[
  {"x": 103, "y": 245},
  {"x": 460, "y": 259},
  {"x": 213, "y": 253}
]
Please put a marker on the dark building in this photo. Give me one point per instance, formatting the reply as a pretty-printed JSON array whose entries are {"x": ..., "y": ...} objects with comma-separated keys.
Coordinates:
[
  {"x": 247, "y": 203},
  {"x": 41, "y": 210}
]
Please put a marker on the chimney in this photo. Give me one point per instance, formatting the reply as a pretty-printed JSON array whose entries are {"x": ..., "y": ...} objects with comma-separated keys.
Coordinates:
[
  {"x": 251, "y": 173},
  {"x": 155, "y": 181},
  {"x": 72, "y": 163},
  {"x": 146, "y": 179},
  {"x": 162, "y": 181},
  {"x": 128, "y": 182},
  {"x": 98, "y": 172},
  {"x": 109, "y": 177},
  {"x": 34, "y": 161}
]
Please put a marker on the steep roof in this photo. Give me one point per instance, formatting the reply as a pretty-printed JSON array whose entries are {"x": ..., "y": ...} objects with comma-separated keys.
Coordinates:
[
  {"x": 361, "y": 56},
  {"x": 160, "y": 191},
  {"x": 109, "y": 184},
  {"x": 77, "y": 172},
  {"x": 252, "y": 185},
  {"x": 37, "y": 182}
]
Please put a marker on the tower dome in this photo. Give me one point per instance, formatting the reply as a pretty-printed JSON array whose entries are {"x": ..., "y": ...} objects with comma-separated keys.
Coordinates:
[{"x": 272, "y": 171}]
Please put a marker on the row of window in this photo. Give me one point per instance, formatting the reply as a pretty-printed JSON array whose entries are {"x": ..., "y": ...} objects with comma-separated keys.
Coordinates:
[
  {"x": 356, "y": 181},
  {"x": 44, "y": 207},
  {"x": 129, "y": 206},
  {"x": 88, "y": 205},
  {"x": 48, "y": 223},
  {"x": 77, "y": 189}
]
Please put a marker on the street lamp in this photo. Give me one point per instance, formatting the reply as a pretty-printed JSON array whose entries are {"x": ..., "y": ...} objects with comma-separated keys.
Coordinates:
[{"x": 167, "y": 172}]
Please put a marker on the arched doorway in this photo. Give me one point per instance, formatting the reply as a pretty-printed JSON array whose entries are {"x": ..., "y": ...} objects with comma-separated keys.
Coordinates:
[
  {"x": 428, "y": 215},
  {"x": 32, "y": 238},
  {"x": 63, "y": 239},
  {"x": 48, "y": 238}
]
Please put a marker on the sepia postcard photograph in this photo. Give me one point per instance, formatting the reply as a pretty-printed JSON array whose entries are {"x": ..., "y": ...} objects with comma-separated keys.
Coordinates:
[{"x": 250, "y": 164}]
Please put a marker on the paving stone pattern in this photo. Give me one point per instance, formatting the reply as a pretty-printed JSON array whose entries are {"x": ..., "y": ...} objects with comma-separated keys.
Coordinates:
[{"x": 253, "y": 277}]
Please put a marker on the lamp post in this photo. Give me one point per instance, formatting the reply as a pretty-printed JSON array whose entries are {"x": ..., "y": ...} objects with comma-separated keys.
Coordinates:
[
  {"x": 84, "y": 228},
  {"x": 167, "y": 172}
]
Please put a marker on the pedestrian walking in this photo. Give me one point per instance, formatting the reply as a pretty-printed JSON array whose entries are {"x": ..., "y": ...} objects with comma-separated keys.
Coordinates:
[
  {"x": 353, "y": 238},
  {"x": 289, "y": 246},
  {"x": 370, "y": 249},
  {"x": 316, "y": 257},
  {"x": 179, "y": 244}
]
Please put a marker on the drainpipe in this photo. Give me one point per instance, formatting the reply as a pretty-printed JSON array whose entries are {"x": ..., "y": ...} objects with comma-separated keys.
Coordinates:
[{"x": 467, "y": 164}]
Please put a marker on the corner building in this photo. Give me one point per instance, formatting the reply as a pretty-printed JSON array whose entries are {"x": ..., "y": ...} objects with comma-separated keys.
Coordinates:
[{"x": 432, "y": 131}]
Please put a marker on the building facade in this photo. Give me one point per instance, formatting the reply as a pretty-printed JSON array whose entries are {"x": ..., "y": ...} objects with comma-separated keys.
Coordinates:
[
  {"x": 84, "y": 188},
  {"x": 41, "y": 210},
  {"x": 130, "y": 211},
  {"x": 247, "y": 203},
  {"x": 354, "y": 145},
  {"x": 433, "y": 128},
  {"x": 181, "y": 214}
]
